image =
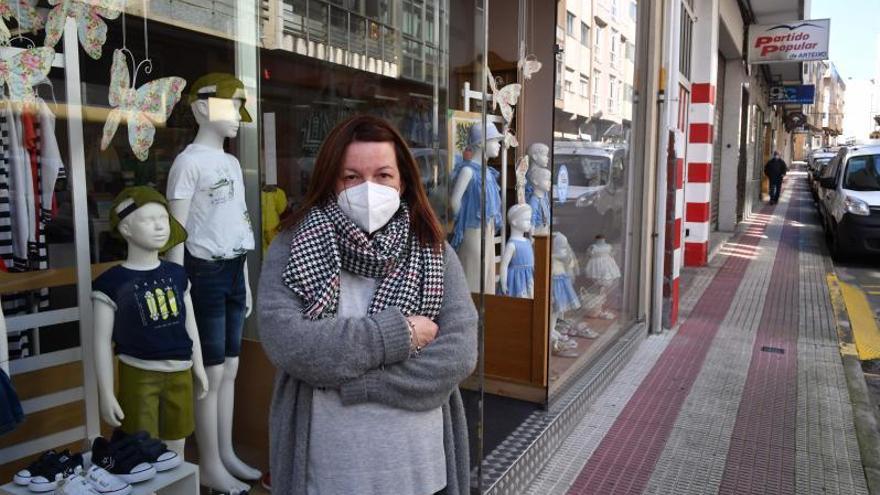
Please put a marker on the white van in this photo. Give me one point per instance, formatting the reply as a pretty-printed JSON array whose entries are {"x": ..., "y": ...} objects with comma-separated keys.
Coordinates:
[{"x": 849, "y": 201}]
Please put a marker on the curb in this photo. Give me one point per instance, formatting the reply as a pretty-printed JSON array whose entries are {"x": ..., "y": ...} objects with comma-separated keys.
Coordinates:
[{"x": 864, "y": 417}]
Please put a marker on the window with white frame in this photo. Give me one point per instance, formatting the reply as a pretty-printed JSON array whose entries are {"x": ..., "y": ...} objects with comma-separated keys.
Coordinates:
[
  {"x": 585, "y": 86},
  {"x": 612, "y": 46},
  {"x": 614, "y": 8},
  {"x": 686, "y": 35},
  {"x": 569, "y": 23},
  {"x": 596, "y": 81},
  {"x": 597, "y": 42},
  {"x": 633, "y": 10},
  {"x": 569, "y": 80},
  {"x": 585, "y": 34},
  {"x": 559, "y": 74},
  {"x": 612, "y": 94}
]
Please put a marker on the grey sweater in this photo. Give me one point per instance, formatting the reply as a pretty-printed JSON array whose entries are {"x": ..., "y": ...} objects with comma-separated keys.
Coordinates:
[{"x": 367, "y": 360}]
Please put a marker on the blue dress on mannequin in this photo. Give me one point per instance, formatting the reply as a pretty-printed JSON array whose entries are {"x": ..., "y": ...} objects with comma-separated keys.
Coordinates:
[
  {"x": 540, "y": 210},
  {"x": 521, "y": 270},
  {"x": 564, "y": 296},
  {"x": 469, "y": 216}
]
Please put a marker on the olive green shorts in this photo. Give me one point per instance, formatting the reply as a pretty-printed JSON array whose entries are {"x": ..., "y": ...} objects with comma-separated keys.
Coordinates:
[{"x": 157, "y": 402}]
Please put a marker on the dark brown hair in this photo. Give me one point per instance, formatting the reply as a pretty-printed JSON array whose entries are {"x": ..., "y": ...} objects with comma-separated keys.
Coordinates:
[{"x": 328, "y": 167}]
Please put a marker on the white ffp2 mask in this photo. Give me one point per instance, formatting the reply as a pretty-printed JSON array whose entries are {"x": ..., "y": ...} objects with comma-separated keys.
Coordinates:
[{"x": 369, "y": 205}]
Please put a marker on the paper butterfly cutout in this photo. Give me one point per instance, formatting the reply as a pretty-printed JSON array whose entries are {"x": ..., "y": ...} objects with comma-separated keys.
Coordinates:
[
  {"x": 510, "y": 140},
  {"x": 22, "y": 71},
  {"x": 521, "y": 168},
  {"x": 505, "y": 98},
  {"x": 30, "y": 20},
  {"x": 88, "y": 13},
  {"x": 141, "y": 108},
  {"x": 528, "y": 64}
]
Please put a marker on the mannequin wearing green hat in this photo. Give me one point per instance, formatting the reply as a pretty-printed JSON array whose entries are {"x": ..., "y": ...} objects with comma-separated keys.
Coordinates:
[
  {"x": 206, "y": 192},
  {"x": 144, "y": 313}
]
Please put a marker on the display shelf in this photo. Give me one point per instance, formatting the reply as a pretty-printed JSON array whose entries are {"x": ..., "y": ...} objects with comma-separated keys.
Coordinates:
[{"x": 183, "y": 480}]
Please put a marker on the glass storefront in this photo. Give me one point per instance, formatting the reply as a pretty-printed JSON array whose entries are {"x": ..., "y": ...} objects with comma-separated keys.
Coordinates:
[{"x": 520, "y": 118}]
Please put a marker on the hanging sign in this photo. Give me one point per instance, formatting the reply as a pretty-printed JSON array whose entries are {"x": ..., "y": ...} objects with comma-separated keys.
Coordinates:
[
  {"x": 796, "y": 94},
  {"x": 794, "y": 41}
]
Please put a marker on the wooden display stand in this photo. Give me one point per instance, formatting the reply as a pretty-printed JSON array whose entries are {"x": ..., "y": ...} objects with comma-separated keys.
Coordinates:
[{"x": 517, "y": 337}]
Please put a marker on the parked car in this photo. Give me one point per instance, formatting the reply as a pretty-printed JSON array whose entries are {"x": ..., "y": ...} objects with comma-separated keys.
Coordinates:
[
  {"x": 592, "y": 202},
  {"x": 816, "y": 164},
  {"x": 849, "y": 201}
]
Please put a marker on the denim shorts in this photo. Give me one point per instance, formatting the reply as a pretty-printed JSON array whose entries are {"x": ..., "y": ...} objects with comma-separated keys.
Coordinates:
[{"x": 219, "y": 298}]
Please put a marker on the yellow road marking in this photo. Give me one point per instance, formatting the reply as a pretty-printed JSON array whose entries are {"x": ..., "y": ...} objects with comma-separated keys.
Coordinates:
[
  {"x": 846, "y": 348},
  {"x": 861, "y": 317},
  {"x": 874, "y": 292}
]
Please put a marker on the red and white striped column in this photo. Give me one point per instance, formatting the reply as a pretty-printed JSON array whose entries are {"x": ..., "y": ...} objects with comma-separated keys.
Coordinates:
[
  {"x": 698, "y": 191},
  {"x": 674, "y": 213}
]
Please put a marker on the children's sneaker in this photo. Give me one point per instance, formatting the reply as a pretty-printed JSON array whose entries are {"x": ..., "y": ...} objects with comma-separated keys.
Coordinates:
[
  {"x": 23, "y": 477},
  {"x": 123, "y": 460},
  {"x": 54, "y": 469},
  {"x": 154, "y": 450},
  {"x": 74, "y": 485},
  {"x": 106, "y": 483}
]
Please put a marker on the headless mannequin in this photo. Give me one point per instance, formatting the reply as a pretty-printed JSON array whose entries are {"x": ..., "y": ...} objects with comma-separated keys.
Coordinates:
[
  {"x": 520, "y": 219},
  {"x": 143, "y": 255},
  {"x": 469, "y": 251},
  {"x": 219, "y": 467}
]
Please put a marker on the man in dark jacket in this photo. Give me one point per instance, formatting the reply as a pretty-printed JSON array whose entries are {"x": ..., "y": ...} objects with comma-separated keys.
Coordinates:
[{"x": 775, "y": 170}]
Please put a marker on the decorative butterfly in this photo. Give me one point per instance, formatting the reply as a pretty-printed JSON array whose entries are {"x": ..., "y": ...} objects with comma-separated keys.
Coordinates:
[
  {"x": 141, "y": 108},
  {"x": 30, "y": 20},
  {"x": 23, "y": 70},
  {"x": 88, "y": 14},
  {"x": 510, "y": 140},
  {"x": 522, "y": 167},
  {"x": 506, "y": 97},
  {"x": 528, "y": 64}
]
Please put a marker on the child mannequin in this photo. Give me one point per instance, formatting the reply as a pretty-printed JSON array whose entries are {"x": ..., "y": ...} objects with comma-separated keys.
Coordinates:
[
  {"x": 563, "y": 296},
  {"x": 206, "y": 191},
  {"x": 143, "y": 306},
  {"x": 602, "y": 269},
  {"x": 539, "y": 178},
  {"x": 470, "y": 221},
  {"x": 539, "y": 157},
  {"x": 518, "y": 261}
]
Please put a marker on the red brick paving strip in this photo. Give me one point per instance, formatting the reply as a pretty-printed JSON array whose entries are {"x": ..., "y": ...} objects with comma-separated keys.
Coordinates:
[
  {"x": 761, "y": 457},
  {"x": 625, "y": 459}
]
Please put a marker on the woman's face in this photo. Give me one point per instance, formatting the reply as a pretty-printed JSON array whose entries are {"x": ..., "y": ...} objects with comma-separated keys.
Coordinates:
[{"x": 369, "y": 161}]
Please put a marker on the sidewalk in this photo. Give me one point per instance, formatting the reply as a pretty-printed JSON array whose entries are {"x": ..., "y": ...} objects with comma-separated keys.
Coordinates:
[{"x": 747, "y": 395}]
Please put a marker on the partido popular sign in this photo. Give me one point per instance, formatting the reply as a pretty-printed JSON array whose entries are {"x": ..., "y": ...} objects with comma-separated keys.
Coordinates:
[{"x": 795, "y": 41}]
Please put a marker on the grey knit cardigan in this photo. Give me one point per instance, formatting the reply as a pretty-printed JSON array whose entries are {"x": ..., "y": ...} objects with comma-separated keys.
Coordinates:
[{"x": 367, "y": 360}]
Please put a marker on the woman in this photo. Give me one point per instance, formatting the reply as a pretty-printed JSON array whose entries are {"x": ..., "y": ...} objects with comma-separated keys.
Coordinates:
[{"x": 366, "y": 314}]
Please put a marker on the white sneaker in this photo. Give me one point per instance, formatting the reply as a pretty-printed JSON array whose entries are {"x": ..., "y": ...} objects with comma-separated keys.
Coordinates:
[
  {"x": 105, "y": 483},
  {"x": 74, "y": 485}
]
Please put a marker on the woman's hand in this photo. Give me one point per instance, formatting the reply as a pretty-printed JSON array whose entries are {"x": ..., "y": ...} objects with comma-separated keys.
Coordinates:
[{"x": 424, "y": 331}]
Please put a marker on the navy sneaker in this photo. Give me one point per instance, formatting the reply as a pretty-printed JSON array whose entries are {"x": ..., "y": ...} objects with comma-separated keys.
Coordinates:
[
  {"x": 154, "y": 450},
  {"x": 123, "y": 460},
  {"x": 47, "y": 475}
]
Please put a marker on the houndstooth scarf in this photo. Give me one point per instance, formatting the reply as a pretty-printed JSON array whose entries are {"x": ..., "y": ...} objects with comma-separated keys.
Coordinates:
[{"x": 327, "y": 241}]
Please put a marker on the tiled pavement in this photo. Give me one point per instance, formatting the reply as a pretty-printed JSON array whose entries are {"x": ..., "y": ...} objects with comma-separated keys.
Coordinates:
[{"x": 746, "y": 396}]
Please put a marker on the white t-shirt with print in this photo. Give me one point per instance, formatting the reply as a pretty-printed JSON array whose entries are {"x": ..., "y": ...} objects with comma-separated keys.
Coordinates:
[{"x": 218, "y": 225}]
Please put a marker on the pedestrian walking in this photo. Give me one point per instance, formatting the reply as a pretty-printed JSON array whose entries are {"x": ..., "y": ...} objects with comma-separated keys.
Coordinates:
[
  {"x": 365, "y": 311},
  {"x": 775, "y": 170}
]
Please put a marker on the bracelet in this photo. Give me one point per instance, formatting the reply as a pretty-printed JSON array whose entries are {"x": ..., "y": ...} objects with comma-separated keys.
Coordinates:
[{"x": 413, "y": 346}]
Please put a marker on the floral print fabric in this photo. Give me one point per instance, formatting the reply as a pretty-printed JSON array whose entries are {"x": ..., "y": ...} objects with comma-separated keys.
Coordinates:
[
  {"x": 22, "y": 71},
  {"x": 25, "y": 15},
  {"x": 90, "y": 25},
  {"x": 141, "y": 108}
]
